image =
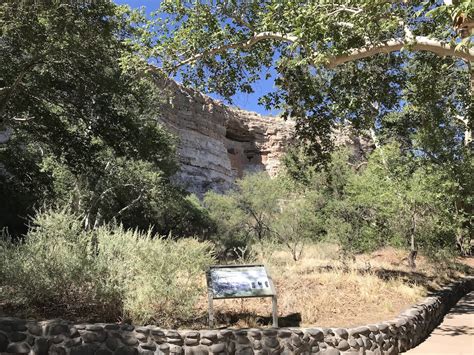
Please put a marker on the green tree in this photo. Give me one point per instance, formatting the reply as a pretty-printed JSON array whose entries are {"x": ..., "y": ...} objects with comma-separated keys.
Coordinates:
[
  {"x": 262, "y": 209},
  {"x": 298, "y": 223},
  {"x": 406, "y": 202},
  {"x": 244, "y": 216},
  {"x": 225, "y": 47},
  {"x": 398, "y": 197},
  {"x": 80, "y": 110}
]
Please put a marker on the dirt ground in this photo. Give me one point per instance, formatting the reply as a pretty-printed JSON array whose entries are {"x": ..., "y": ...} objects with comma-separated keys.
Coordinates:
[{"x": 320, "y": 290}]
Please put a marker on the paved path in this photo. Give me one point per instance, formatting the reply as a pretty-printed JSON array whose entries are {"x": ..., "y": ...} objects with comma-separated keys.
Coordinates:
[{"x": 455, "y": 336}]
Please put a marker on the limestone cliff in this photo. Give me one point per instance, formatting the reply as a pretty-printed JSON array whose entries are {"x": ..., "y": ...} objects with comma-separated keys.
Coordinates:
[{"x": 217, "y": 143}]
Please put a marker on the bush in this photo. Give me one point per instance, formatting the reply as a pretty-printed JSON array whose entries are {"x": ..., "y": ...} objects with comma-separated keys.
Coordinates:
[
  {"x": 122, "y": 272},
  {"x": 53, "y": 266},
  {"x": 157, "y": 279},
  {"x": 262, "y": 210}
]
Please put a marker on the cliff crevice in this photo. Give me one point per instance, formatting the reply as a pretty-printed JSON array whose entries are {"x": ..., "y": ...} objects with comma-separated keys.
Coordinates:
[{"x": 217, "y": 143}]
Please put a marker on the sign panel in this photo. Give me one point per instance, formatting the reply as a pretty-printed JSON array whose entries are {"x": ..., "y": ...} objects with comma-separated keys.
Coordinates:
[{"x": 239, "y": 281}]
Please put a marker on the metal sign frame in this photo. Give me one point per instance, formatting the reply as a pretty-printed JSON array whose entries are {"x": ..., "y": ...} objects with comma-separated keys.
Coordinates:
[{"x": 211, "y": 297}]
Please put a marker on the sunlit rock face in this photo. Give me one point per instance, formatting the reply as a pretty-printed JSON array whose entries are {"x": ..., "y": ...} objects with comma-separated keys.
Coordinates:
[{"x": 217, "y": 143}]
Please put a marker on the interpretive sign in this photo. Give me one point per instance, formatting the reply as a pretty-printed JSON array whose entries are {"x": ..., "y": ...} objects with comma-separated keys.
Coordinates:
[{"x": 240, "y": 281}]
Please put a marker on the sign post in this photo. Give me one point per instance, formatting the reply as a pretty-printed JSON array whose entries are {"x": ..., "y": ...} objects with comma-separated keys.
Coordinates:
[{"x": 240, "y": 281}]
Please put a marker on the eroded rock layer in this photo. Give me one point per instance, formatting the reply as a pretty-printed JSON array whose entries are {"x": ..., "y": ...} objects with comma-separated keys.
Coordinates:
[{"x": 217, "y": 143}]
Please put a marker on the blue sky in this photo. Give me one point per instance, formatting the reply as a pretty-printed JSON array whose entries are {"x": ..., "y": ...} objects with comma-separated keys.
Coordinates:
[{"x": 245, "y": 101}]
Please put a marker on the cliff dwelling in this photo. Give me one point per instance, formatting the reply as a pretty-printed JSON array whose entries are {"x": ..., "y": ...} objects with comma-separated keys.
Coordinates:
[
  {"x": 243, "y": 154},
  {"x": 218, "y": 144}
]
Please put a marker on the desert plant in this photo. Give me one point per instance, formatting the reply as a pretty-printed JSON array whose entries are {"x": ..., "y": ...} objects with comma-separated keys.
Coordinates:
[
  {"x": 123, "y": 272},
  {"x": 55, "y": 253},
  {"x": 157, "y": 279}
]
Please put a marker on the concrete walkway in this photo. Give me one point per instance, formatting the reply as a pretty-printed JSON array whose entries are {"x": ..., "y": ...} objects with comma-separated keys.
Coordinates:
[{"x": 455, "y": 336}]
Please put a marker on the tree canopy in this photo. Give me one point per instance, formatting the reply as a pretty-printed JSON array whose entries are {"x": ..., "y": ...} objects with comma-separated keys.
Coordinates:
[
  {"x": 79, "y": 107},
  {"x": 78, "y": 113},
  {"x": 227, "y": 46}
]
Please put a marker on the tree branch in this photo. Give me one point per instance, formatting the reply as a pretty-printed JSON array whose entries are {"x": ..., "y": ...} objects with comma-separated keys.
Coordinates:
[
  {"x": 262, "y": 36},
  {"x": 9, "y": 92},
  {"x": 130, "y": 205},
  {"x": 237, "y": 18},
  {"x": 358, "y": 166},
  {"x": 105, "y": 192},
  {"x": 353, "y": 11},
  {"x": 418, "y": 43},
  {"x": 462, "y": 119}
]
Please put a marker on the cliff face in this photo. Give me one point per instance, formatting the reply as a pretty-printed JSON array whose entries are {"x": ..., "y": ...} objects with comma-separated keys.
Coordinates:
[{"x": 218, "y": 144}]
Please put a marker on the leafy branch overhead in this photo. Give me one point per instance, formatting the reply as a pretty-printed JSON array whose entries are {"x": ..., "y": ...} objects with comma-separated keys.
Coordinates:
[
  {"x": 332, "y": 61},
  {"x": 237, "y": 38}
]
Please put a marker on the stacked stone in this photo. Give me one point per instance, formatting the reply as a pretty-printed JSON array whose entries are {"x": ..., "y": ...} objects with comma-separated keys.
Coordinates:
[{"x": 386, "y": 338}]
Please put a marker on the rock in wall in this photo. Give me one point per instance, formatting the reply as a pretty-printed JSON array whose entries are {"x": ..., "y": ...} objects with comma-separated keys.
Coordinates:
[
  {"x": 391, "y": 337},
  {"x": 217, "y": 143}
]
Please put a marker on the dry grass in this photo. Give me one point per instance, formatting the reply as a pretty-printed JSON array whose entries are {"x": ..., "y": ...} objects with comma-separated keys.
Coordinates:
[
  {"x": 318, "y": 290},
  {"x": 321, "y": 290}
]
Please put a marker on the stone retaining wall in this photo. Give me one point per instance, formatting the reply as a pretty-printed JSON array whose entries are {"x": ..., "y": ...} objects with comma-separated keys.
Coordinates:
[{"x": 406, "y": 331}]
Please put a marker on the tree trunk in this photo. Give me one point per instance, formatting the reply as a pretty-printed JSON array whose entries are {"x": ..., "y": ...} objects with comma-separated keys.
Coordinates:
[
  {"x": 413, "y": 251},
  {"x": 462, "y": 242},
  {"x": 470, "y": 110},
  {"x": 465, "y": 28}
]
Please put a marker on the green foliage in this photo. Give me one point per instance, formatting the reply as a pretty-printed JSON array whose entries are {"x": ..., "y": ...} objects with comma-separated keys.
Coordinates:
[
  {"x": 407, "y": 200},
  {"x": 261, "y": 210},
  {"x": 397, "y": 196},
  {"x": 155, "y": 279},
  {"x": 134, "y": 192},
  {"x": 82, "y": 107},
  {"x": 297, "y": 223},
  {"x": 393, "y": 198},
  {"x": 56, "y": 253},
  {"x": 121, "y": 272},
  {"x": 298, "y": 165},
  {"x": 308, "y": 49},
  {"x": 243, "y": 216}
]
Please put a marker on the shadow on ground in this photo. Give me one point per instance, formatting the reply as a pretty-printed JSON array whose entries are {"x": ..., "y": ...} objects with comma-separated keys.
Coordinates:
[
  {"x": 465, "y": 307},
  {"x": 447, "y": 330},
  {"x": 408, "y": 277}
]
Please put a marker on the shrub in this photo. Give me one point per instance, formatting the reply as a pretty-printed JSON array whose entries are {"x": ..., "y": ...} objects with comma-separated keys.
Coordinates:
[
  {"x": 53, "y": 265},
  {"x": 262, "y": 210},
  {"x": 157, "y": 279},
  {"x": 122, "y": 272}
]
